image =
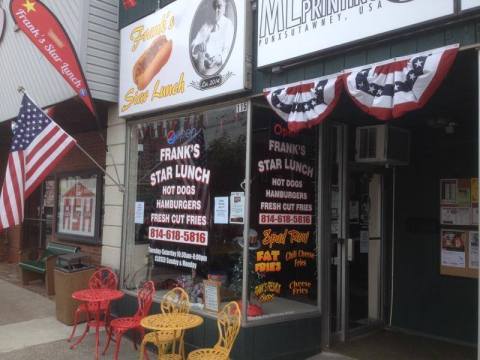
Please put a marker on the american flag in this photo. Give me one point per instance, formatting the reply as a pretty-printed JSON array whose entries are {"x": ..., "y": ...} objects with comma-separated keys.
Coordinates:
[{"x": 38, "y": 144}]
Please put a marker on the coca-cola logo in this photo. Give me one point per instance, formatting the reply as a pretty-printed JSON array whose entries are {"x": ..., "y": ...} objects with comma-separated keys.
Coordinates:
[{"x": 2, "y": 22}]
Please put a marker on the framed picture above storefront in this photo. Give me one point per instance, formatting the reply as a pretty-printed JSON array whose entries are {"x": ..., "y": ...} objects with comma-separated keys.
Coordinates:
[
  {"x": 305, "y": 27},
  {"x": 185, "y": 52},
  {"x": 78, "y": 207}
]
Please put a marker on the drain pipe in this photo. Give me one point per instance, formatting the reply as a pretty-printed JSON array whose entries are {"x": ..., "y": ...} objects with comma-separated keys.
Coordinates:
[{"x": 393, "y": 245}]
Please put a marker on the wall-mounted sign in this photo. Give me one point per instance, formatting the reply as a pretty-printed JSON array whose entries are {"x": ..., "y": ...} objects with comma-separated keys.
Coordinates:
[
  {"x": 304, "y": 27},
  {"x": 77, "y": 204},
  {"x": 211, "y": 295},
  {"x": 221, "y": 210},
  {"x": 237, "y": 207},
  {"x": 468, "y": 4},
  {"x": 187, "y": 51}
]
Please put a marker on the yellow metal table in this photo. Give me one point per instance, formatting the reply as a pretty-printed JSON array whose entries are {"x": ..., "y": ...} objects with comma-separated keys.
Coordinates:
[{"x": 176, "y": 323}]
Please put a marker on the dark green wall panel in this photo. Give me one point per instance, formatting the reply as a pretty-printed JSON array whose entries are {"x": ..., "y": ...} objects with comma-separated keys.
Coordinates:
[
  {"x": 463, "y": 34},
  {"x": 355, "y": 59},
  {"x": 403, "y": 47},
  {"x": 278, "y": 79},
  {"x": 378, "y": 54},
  {"x": 296, "y": 74},
  {"x": 424, "y": 300},
  {"x": 431, "y": 41},
  {"x": 313, "y": 70},
  {"x": 334, "y": 65}
]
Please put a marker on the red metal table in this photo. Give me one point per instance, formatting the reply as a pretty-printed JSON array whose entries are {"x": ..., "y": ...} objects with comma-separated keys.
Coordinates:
[{"x": 95, "y": 297}]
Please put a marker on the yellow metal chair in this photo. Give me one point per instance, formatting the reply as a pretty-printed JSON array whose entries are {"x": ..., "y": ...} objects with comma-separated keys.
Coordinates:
[
  {"x": 228, "y": 323},
  {"x": 174, "y": 301}
]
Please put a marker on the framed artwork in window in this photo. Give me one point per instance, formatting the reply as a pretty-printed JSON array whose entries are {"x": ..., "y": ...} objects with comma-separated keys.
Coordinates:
[{"x": 78, "y": 207}]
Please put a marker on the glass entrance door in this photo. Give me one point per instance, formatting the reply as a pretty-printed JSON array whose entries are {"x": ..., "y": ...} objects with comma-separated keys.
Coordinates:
[{"x": 356, "y": 193}]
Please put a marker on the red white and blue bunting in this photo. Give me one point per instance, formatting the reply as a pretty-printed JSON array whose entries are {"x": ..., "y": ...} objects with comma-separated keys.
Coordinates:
[
  {"x": 390, "y": 89},
  {"x": 306, "y": 103},
  {"x": 384, "y": 90}
]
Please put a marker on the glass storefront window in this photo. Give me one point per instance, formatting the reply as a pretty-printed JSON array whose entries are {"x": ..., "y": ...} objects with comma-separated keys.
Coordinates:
[
  {"x": 282, "y": 254},
  {"x": 188, "y": 207}
]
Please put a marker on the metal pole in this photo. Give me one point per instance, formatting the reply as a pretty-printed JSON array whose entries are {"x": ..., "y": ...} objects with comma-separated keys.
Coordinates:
[
  {"x": 22, "y": 91},
  {"x": 246, "y": 216},
  {"x": 120, "y": 187}
]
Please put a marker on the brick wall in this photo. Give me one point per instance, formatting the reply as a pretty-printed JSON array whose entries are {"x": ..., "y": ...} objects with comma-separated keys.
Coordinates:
[{"x": 75, "y": 160}]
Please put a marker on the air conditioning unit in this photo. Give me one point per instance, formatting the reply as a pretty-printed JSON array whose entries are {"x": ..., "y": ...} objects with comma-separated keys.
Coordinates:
[{"x": 382, "y": 144}]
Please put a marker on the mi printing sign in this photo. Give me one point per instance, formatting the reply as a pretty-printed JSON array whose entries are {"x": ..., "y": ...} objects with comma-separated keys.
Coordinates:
[
  {"x": 188, "y": 51},
  {"x": 307, "y": 26}
]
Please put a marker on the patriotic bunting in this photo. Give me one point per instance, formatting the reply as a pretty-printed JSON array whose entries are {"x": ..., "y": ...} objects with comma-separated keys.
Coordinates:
[
  {"x": 390, "y": 89},
  {"x": 306, "y": 103},
  {"x": 384, "y": 90}
]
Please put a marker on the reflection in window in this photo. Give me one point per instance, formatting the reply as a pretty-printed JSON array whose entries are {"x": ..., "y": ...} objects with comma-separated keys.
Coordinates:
[
  {"x": 188, "y": 208},
  {"x": 282, "y": 245}
]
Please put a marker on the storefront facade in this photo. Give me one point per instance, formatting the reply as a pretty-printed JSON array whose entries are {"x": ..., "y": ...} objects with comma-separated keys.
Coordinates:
[
  {"x": 68, "y": 206},
  {"x": 344, "y": 233}
]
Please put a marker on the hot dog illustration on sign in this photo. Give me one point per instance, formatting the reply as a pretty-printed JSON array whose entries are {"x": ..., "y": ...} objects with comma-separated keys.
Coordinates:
[{"x": 151, "y": 61}]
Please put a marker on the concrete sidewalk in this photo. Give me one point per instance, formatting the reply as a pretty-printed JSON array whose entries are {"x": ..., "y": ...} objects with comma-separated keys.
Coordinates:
[{"x": 30, "y": 330}]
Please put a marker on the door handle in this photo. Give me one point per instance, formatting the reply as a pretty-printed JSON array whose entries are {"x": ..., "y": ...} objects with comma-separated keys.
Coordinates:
[{"x": 350, "y": 245}]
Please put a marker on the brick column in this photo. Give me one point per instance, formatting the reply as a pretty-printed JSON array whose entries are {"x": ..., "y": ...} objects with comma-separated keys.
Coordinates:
[{"x": 113, "y": 199}]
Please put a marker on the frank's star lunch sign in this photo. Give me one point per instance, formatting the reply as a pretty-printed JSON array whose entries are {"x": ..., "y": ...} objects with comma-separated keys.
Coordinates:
[{"x": 185, "y": 52}]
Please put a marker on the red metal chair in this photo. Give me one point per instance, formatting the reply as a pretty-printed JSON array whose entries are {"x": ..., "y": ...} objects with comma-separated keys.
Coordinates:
[
  {"x": 121, "y": 325},
  {"x": 103, "y": 278}
]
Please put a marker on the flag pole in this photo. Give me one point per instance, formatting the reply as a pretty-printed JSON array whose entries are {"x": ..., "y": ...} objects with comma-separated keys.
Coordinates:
[
  {"x": 21, "y": 90},
  {"x": 120, "y": 187}
]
